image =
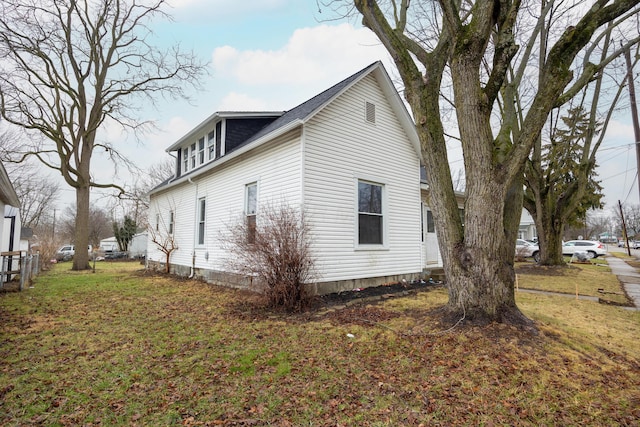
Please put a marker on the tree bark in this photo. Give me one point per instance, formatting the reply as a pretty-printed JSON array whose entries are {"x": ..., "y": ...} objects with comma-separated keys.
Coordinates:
[{"x": 81, "y": 256}]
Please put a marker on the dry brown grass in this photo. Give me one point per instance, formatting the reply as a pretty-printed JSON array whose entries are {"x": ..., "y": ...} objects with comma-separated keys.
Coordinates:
[{"x": 119, "y": 347}]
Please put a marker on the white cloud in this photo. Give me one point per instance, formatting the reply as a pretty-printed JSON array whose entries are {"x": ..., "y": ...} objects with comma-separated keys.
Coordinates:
[
  {"x": 322, "y": 54},
  {"x": 234, "y": 101},
  {"x": 619, "y": 130}
]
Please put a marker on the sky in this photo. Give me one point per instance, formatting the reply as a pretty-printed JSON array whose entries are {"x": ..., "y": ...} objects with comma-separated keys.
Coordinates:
[{"x": 275, "y": 54}]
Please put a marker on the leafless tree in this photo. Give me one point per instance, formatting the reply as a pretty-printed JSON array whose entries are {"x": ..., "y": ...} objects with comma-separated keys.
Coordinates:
[
  {"x": 135, "y": 201},
  {"x": 99, "y": 226},
  {"x": 560, "y": 174},
  {"x": 275, "y": 253},
  {"x": 71, "y": 66},
  {"x": 473, "y": 56},
  {"x": 36, "y": 191},
  {"x": 162, "y": 235}
]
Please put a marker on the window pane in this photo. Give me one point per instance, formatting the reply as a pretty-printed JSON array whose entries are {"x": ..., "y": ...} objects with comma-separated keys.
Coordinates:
[
  {"x": 370, "y": 229},
  {"x": 201, "y": 233},
  {"x": 252, "y": 194},
  {"x": 369, "y": 198},
  {"x": 211, "y": 144},
  {"x": 431, "y": 228}
]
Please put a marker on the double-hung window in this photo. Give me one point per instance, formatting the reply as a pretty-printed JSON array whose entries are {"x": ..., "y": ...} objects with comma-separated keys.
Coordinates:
[
  {"x": 370, "y": 213},
  {"x": 185, "y": 159},
  {"x": 251, "y": 209},
  {"x": 202, "y": 210},
  {"x": 211, "y": 145},
  {"x": 193, "y": 155},
  {"x": 201, "y": 151},
  {"x": 171, "y": 222}
]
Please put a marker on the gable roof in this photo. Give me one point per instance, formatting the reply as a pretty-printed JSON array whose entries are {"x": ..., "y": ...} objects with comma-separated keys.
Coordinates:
[{"x": 300, "y": 115}]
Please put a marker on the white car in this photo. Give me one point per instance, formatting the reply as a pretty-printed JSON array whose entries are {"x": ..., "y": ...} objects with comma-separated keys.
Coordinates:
[
  {"x": 526, "y": 249},
  {"x": 593, "y": 248}
]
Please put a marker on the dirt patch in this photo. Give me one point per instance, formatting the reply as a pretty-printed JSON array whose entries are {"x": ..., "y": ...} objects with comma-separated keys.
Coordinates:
[{"x": 371, "y": 293}]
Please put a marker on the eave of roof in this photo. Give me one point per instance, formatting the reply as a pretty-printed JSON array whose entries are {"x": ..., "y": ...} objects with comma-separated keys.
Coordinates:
[
  {"x": 7, "y": 193},
  {"x": 219, "y": 115}
]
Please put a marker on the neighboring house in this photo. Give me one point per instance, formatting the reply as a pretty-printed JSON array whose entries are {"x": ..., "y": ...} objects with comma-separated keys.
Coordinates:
[
  {"x": 110, "y": 244},
  {"x": 350, "y": 157},
  {"x": 527, "y": 229},
  {"x": 10, "y": 227},
  {"x": 137, "y": 246}
]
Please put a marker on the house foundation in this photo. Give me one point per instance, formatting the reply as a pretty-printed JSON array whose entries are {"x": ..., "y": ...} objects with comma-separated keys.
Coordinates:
[{"x": 233, "y": 280}]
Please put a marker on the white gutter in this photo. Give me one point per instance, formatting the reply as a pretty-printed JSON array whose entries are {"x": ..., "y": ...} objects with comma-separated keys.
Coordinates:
[{"x": 193, "y": 251}]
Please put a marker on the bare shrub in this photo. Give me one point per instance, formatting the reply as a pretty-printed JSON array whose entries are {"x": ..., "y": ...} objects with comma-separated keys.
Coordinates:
[{"x": 274, "y": 252}]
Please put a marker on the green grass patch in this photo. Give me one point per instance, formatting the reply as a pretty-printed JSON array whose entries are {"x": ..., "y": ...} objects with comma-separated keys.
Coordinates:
[{"x": 120, "y": 347}]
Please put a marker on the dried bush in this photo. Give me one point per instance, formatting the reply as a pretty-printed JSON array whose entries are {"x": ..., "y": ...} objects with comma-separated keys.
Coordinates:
[{"x": 274, "y": 251}]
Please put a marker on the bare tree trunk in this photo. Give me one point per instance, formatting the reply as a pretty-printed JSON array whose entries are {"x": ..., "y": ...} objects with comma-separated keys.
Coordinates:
[
  {"x": 481, "y": 283},
  {"x": 550, "y": 232},
  {"x": 81, "y": 256}
]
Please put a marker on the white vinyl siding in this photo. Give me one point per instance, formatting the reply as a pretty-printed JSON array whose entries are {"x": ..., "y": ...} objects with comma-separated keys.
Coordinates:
[
  {"x": 275, "y": 167},
  {"x": 341, "y": 147}
]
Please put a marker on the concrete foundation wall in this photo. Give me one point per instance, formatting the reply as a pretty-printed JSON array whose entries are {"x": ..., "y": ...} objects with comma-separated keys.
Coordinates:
[{"x": 242, "y": 282}]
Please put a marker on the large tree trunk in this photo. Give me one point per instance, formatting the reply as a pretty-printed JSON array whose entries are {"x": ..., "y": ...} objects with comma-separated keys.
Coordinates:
[
  {"x": 550, "y": 232},
  {"x": 480, "y": 272},
  {"x": 81, "y": 256}
]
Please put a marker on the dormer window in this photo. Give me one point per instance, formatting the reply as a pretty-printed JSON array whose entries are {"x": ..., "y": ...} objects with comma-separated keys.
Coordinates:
[
  {"x": 201, "y": 151},
  {"x": 211, "y": 145},
  {"x": 193, "y": 155},
  {"x": 185, "y": 159}
]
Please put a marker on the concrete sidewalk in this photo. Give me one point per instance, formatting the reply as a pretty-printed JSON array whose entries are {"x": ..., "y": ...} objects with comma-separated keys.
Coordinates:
[{"x": 628, "y": 276}]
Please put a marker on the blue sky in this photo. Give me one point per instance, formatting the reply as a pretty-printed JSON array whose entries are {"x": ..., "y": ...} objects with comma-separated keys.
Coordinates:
[{"x": 274, "y": 54}]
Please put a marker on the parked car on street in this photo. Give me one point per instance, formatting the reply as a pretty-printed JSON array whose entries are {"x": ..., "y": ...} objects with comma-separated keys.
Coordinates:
[
  {"x": 593, "y": 248},
  {"x": 66, "y": 252},
  {"x": 525, "y": 249}
]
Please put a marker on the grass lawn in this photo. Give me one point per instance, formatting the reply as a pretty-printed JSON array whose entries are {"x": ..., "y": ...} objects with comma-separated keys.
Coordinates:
[
  {"x": 584, "y": 279},
  {"x": 119, "y": 347}
]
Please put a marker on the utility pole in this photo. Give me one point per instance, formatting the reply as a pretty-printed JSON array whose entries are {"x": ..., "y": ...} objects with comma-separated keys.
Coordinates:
[
  {"x": 624, "y": 229},
  {"x": 53, "y": 230},
  {"x": 634, "y": 111}
]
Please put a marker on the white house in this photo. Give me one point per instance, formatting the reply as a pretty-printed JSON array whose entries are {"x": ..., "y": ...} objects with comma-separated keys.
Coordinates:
[
  {"x": 137, "y": 246},
  {"x": 350, "y": 157},
  {"x": 10, "y": 226}
]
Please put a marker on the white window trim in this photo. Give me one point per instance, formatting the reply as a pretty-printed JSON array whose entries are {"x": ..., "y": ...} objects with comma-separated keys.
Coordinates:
[
  {"x": 246, "y": 197},
  {"x": 192, "y": 155},
  {"x": 211, "y": 144},
  {"x": 202, "y": 153},
  {"x": 246, "y": 203},
  {"x": 201, "y": 220},
  {"x": 185, "y": 160},
  {"x": 385, "y": 216}
]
